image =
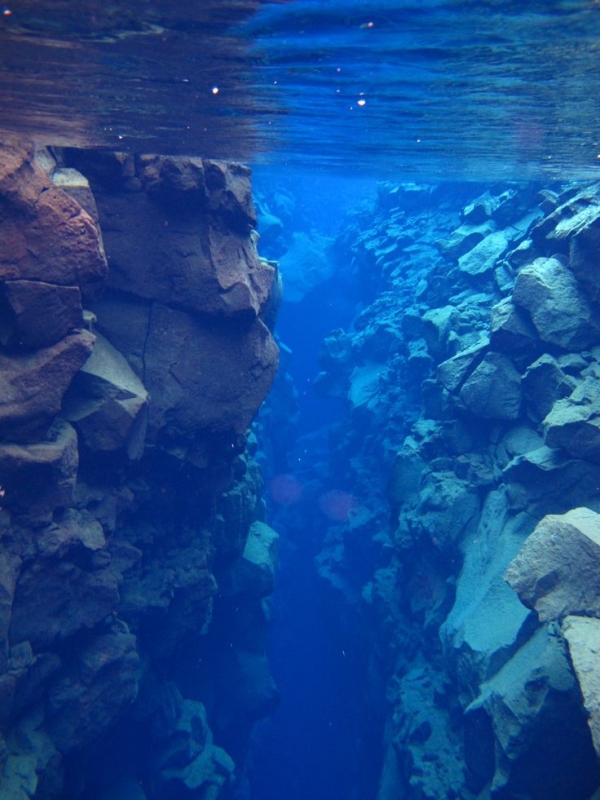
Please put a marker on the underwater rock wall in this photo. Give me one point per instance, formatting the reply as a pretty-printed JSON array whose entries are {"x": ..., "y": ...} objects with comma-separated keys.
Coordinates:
[
  {"x": 134, "y": 562},
  {"x": 470, "y": 447}
]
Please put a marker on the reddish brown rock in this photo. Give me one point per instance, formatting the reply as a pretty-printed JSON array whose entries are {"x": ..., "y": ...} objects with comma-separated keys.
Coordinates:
[
  {"x": 33, "y": 386},
  {"x": 195, "y": 262},
  {"x": 42, "y": 313},
  {"x": 44, "y": 233},
  {"x": 40, "y": 477},
  {"x": 205, "y": 378}
]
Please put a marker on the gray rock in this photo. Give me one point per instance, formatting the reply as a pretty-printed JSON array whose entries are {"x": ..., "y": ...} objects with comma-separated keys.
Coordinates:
[
  {"x": 483, "y": 257},
  {"x": 438, "y": 324},
  {"x": 447, "y": 508},
  {"x": 573, "y": 423},
  {"x": 106, "y": 400},
  {"x": 559, "y": 309},
  {"x": 543, "y": 383},
  {"x": 584, "y": 257},
  {"x": 524, "y": 705},
  {"x": 524, "y": 253},
  {"x": 477, "y": 646},
  {"x": 453, "y": 372},
  {"x": 511, "y": 331},
  {"x": 583, "y": 637},
  {"x": 576, "y": 212},
  {"x": 464, "y": 238},
  {"x": 254, "y": 574},
  {"x": 545, "y": 476},
  {"x": 493, "y": 390},
  {"x": 480, "y": 209},
  {"x": 305, "y": 266},
  {"x": 557, "y": 572}
]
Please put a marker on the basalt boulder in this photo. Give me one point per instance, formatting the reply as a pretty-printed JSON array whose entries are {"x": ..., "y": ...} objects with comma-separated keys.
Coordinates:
[
  {"x": 561, "y": 313},
  {"x": 34, "y": 384},
  {"x": 45, "y": 235},
  {"x": 557, "y": 571},
  {"x": 493, "y": 390}
]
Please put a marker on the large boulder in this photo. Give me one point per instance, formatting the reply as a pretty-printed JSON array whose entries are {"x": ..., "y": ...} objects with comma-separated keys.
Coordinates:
[
  {"x": 478, "y": 647},
  {"x": 583, "y": 637},
  {"x": 558, "y": 306},
  {"x": 205, "y": 377},
  {"x": 45, "y": 235},
  {"x": 483, "y": 257},
  {"x": 557, "y": 571},
  {"x": 204, "y": 263},
  {"x": 544, "y": 382},
  {"x": 57, "y": 597},
  {"x": 511, "y": 331},
  {"x": 33, "y": 385},
  {"x": 524, "y": 716},
  {"x": 493, "y": 390},
  {"x": 106, "y": 400},
  {"x": 254, "y": 573},
  {"x": 453, "y": 372},
  {"x": 41, "y": 314},
  {"x": 573, "y": 422},
  {"x": 546, "y": 477},
  {"x": 584, "y": 257}
]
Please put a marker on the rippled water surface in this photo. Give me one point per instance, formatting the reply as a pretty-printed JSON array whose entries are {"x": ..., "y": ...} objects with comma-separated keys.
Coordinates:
[{"x": 437, "y": 88}]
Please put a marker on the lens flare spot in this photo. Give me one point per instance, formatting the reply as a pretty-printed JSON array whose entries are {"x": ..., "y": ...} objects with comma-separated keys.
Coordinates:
[{"x": 338, "y": 506}]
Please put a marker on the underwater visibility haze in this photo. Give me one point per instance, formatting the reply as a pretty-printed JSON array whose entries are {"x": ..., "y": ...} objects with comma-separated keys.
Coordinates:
[{"x": 299, "y": 405}]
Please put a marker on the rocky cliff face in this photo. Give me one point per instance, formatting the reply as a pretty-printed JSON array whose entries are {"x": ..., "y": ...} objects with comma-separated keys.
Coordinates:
[
  {"x": 134, "y": 562},
  {"x": 470, "y": 382}
]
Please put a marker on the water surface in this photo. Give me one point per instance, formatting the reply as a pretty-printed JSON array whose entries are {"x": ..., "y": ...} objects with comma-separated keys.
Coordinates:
[{"x": 435, "y": 89}]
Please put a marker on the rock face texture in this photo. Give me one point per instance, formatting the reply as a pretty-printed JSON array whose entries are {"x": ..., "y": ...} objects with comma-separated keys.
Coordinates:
[
  {"x": 469, "y": 379},
  {"x": 134, "y": 356},
  {"x": 557, "y": 571}
]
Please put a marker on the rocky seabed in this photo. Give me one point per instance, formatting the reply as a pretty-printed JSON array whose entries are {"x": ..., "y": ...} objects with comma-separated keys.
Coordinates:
[
  {"x": 135, "y": 562},
  {"x": 470, "y": 443}
]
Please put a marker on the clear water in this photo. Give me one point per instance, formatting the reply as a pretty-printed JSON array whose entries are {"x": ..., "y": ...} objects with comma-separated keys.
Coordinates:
[
  {"x": 313, "y": 91},
  {"x": 437, "y": 88}
]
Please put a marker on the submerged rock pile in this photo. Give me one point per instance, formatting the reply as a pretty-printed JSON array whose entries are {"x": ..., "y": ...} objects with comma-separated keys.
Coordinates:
[
  {"x": 134, "y": 356},
  {"x": 471, "y": 386}
]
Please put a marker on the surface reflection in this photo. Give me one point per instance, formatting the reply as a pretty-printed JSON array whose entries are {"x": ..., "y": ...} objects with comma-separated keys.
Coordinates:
[
  {"x": 439, "y": 88},
  {"x": 138, "y": 76}
]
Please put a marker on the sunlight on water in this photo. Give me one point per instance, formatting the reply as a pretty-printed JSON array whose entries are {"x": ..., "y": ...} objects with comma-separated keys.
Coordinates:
[{"x": 439, "y": 88}]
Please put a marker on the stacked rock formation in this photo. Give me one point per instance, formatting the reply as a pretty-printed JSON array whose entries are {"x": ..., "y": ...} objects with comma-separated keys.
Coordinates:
[
  {"x": 470, "y": 380},
  {"x": 134, "y": 356}
]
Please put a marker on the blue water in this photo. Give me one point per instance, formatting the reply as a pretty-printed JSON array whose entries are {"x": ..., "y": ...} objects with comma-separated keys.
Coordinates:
[
  {"x": 441, "y": 88},
  {"x": 323, "y": 98}
]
